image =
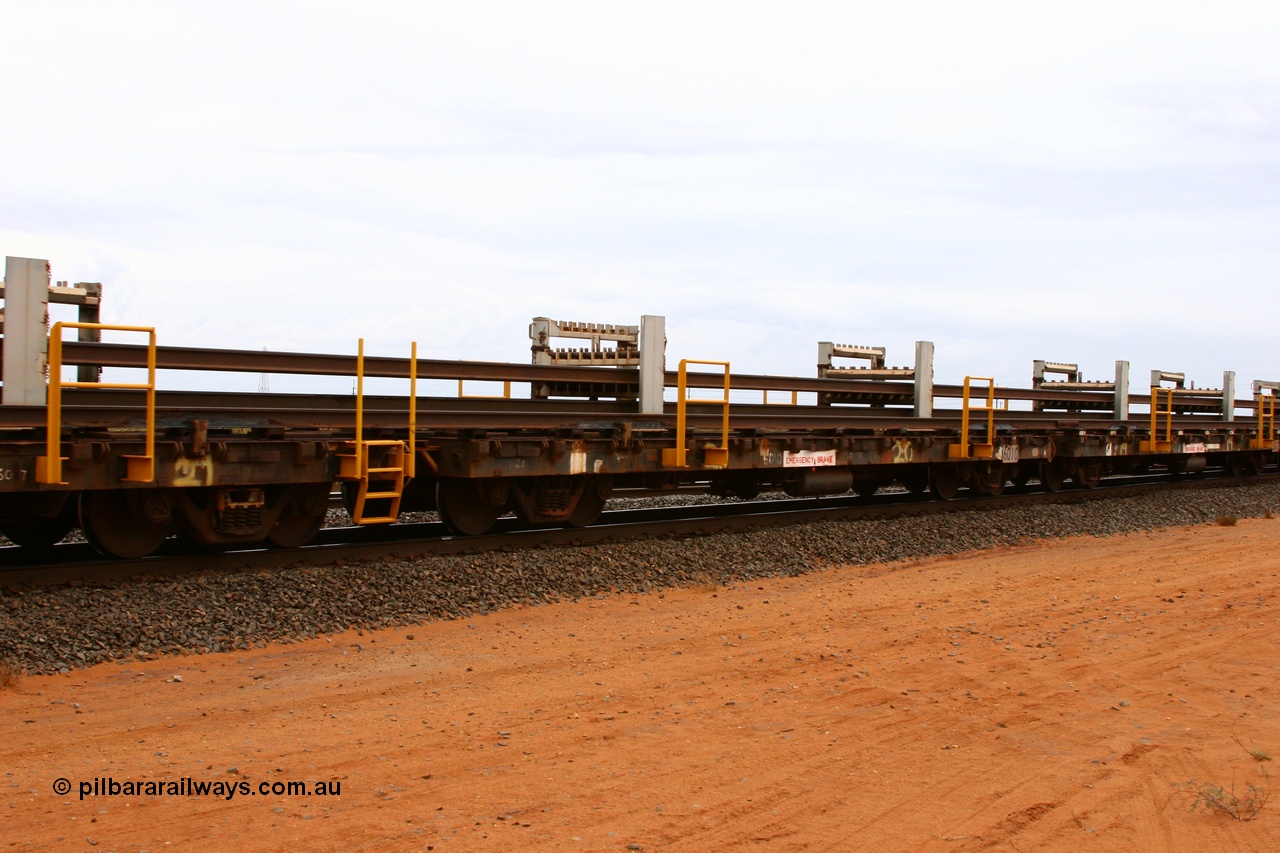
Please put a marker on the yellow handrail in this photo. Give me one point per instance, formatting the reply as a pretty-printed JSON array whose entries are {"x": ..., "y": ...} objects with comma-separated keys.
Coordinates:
[
  {"x": 360, "y": 442},
  {"x": 356, "y": 465},
  {"x": 359, "y": 472},
  {"x": 715, "y": 457},
  {"x": 411, "y": 469},
  {"x": 1154, "y": 444},
  {"x": 795, "y": 399},
  {"x": 1266, "y": 422},
  {"x": 506, "y": 392},
  {"x": 964, "y": 450},
  {"x": 140, "y": 469}
]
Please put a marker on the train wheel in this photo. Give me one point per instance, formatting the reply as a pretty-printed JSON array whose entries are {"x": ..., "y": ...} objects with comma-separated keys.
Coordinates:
[
  {"x": 1088, "y": 474},
  {"x": 869, "y": 486},
  {"x": 915, "y": 481},
  {"x": 1051, "y": 476},
  {"x": 589, "y": 507},
  {"x": 465, "y": 508},
  {"x": 989, "y": 480},
  {"x": 302, "y": 517},
  {"x": 36, "y": 533},
  {"x": 127, "y": 525},
  {"x": 1254, "y": 464},
  {"x": 944, "y": 482},
  {"x": 1023, "y": 472}
]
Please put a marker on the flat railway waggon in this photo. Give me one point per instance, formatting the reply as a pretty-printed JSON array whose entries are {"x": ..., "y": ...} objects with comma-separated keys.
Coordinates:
[{"x": 132, "y": 464}]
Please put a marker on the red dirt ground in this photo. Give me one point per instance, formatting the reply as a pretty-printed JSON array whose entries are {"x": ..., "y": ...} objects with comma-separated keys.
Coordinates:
[{"x": 1046, "y": 697}]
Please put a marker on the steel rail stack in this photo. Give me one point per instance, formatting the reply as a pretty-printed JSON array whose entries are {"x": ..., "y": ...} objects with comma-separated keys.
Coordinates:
[{"x": 131, "y": 463}]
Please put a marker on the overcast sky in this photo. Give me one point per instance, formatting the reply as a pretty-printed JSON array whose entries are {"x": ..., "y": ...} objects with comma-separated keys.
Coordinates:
[{"x": 1069, "y": 181}]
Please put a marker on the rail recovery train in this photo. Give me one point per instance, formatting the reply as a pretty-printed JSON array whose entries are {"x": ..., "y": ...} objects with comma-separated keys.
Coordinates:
[{"x": 132, "y": 464}]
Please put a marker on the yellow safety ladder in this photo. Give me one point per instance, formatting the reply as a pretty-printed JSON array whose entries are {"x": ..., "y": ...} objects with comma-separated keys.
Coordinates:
[
  {"x": 140, "y": 468},
  {"x": 1155, "y": 444},
  {"x": 397, "y": 464},
  {"x": 964, "y": 449},
  {"x": 1266, "y": 438},
  {"x": 713, "y": 456}
]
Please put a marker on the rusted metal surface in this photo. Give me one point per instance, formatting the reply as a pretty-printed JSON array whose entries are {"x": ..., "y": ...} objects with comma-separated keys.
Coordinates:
[
  {"x": 77, "y": 563},
  {"x": 257, "y": 361}
]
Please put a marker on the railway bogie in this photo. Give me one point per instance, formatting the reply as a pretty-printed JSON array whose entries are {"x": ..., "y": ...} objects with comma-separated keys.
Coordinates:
[{"x": 131, "y": 464}]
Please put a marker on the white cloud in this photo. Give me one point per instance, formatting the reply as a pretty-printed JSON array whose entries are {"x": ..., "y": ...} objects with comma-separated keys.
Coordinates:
[{"x": 1084, "y": 181}]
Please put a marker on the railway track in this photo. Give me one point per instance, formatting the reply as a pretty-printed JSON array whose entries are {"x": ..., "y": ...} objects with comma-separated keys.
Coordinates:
[{"x": 78, "y": 563}]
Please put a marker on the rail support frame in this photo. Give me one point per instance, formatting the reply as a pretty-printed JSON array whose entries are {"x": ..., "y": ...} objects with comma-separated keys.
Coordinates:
[
  {"x": 923, "y": 397},
  {"x": 26, "y": 316},
  {"x": 653, "y": 362},
  {"x": 1228, "y": 395},
  {"x": 1120, "y": 406}
]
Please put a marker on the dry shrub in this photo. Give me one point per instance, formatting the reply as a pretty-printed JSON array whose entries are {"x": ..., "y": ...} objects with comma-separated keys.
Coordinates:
[
  {"x": 1226, "y": 521},
  {"x": 8, "y": 676},
  {"x": 1215, "y": 798}
]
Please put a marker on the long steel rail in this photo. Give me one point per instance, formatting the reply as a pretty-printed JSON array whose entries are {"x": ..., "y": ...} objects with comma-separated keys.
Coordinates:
[
  {"x": 318, "y": 364},
  {"x": 110, "y": 408}
]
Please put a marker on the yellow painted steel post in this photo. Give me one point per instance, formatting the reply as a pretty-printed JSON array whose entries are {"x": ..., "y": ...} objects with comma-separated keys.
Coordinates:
[
  {"x": 148, "y": 474},
  {"x": 1168, "y": 414},
  {"x": 51, "y": 470},
  {"x": 991, "y": 413},
  {"x": 724, "y": 429},
  {"x": 412, "y": 468},
  {"x": 681, "y": 386},
  {"x": 1155, "y": 418},
  {"x": 360, "y": 462}
]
